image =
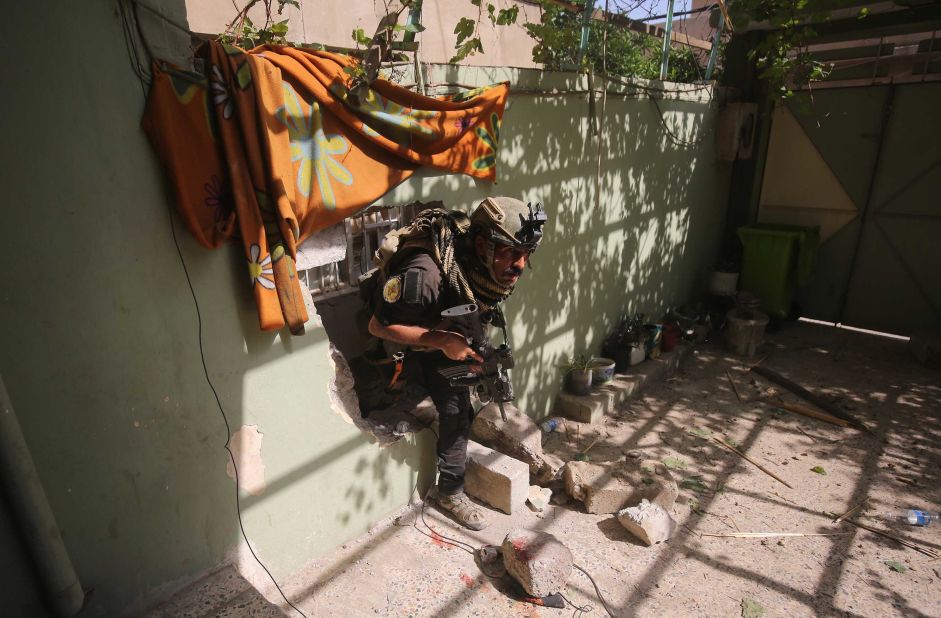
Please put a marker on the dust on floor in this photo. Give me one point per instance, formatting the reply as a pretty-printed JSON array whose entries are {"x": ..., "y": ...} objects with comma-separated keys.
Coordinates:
[{"x": 408, "y": 568}]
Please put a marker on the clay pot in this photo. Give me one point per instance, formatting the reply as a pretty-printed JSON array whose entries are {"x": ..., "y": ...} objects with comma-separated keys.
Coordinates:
[{"x": 578, "y": 381}]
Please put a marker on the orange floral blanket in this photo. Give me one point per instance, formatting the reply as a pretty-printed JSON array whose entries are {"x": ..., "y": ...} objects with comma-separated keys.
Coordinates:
[{"x": 269, "y": 145}]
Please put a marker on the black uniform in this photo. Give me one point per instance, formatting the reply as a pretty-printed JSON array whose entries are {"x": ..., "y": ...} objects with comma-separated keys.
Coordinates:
[{"x": 415, "y": 294}]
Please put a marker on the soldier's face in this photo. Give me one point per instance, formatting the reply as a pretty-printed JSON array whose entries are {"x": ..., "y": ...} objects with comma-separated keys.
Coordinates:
[{"x": 508, "y": 262}]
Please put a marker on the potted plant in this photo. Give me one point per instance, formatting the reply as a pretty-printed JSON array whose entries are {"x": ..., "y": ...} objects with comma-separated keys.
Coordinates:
[{"x": 578, "y": 374}]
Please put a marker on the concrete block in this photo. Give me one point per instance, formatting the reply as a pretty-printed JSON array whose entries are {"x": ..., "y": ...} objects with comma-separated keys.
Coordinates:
[
  {"x": 519, "y": 437},
  {"x": 497, "y": 479},
  {"x": 611, "y": 487},
  {"x": 592, "y": 408},
  {"x": 538, "y": 561},
  {"x": 584, "y": 408},
  {"x": 648, "y": 521}
]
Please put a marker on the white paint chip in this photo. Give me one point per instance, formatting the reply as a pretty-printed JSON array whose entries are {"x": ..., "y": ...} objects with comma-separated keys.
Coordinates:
[{"x": 246, "y": 449}]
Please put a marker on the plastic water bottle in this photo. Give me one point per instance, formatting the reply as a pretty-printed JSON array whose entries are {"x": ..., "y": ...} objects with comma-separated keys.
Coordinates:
[
  {"x": 915, "y": 517},
  {"x": 550, "y": 424}
]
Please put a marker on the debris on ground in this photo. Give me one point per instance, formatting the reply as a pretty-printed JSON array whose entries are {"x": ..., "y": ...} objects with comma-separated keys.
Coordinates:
[
  {"x": 648, "y": 521},
  {"x": 616, "y": 485},
  {"x": 518, "y": 437},
  {"x": 539, "y": 497},
  {"x": 752, "y": 609},
  {"x": 539, "y": 561}
]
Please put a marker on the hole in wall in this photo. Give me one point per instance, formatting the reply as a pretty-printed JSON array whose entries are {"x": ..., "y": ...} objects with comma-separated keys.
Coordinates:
[{"x": 331, "y": 267}]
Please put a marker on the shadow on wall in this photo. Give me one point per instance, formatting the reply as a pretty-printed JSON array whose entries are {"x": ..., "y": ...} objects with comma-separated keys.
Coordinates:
[{"x": 635, "y": 215}]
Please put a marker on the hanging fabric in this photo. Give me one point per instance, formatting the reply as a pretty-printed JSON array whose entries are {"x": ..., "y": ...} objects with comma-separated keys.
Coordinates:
[{"x": 270, "y": 146}]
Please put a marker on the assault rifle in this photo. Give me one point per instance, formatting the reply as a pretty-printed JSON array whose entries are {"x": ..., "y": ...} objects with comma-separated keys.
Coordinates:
[{"x": 492, "y": 382}]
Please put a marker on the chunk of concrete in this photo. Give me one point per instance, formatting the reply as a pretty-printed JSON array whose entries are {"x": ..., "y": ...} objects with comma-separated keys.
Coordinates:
[
  {"x": 538, "y": 561},
  {"x": 608, "y": 488},
  {"x": 584, "y": 408},
  {"x": 518, "y": 436},
  {"x": 497, "y": 479},
  {"x": 648, "y": 521},
  {"x": 539, "y": 497}
]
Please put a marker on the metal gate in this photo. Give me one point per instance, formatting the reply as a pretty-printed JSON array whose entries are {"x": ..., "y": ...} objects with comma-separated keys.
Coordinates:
[{"x": 865, "y": 165}]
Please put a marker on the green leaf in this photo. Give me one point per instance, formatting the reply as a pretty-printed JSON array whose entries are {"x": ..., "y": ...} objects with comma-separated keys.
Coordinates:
[
  {"x": 752, "y": 609},
  {"x": 492, "y": 13},
  {"x": 674, "y": 464},
  {"x": 279, "y": 28},
  {"x": 468, "y": 48},
  {"x": 819, "y": 470},
  {"x": 508, "y": 16},
  {"x": 694, "y": 483},
  {"x": 463, "y": 29},
  {"x": 360, "y": 37},
  {"x": 475, "y": 2},
  {"x": 702, "y": 433},
  {"x": 896, "y": 566}
]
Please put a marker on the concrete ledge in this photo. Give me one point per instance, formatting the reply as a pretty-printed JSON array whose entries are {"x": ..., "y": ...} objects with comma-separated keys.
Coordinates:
[{"x": 603, "y": 400}]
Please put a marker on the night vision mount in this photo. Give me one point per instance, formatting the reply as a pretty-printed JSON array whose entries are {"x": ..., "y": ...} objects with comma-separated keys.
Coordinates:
[{"x": 530, "y": 232}]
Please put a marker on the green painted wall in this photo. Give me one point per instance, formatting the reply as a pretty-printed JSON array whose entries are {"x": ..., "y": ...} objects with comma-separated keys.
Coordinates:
[{"x": 98, "y": 330}]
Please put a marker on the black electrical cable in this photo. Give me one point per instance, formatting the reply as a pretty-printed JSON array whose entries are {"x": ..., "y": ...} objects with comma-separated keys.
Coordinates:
[
  {"x": 579, "y": 610},
  {"x": 225, "y": 420},
  {"x": 597, "y": 591},
  {"x": 133, "y": 56}
]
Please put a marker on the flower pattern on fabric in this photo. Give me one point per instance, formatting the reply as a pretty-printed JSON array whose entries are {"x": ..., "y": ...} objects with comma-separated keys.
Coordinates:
[
  {"x": 220, "y": 92},
  {"x": 392, "y": 114},
  {"x": 396, "y": 120},
  {"x": 185, "y": 88},
  {"x": 490, "y": 140},
  {"x": 467, "y": 95},
  {"x": 260, "y": 270},
  {"x": 314, "y": 149},
  {"x": 219, "y": 199}
]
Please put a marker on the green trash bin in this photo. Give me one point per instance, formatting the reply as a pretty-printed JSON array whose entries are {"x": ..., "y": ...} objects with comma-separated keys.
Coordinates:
[{"x": 778, "y": 259}]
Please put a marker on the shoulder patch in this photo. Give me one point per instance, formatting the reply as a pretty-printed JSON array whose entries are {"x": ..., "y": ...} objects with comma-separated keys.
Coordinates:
[
  {"x": 392, "y": 290},
  {"x": 413, "y": 281}
]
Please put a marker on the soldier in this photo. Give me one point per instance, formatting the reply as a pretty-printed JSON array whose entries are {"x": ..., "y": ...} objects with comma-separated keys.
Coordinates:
[{"x": 446, "y": 267}]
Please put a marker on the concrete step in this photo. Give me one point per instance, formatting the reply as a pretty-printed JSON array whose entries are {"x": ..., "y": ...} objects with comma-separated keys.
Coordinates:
[{"x": 605, "y": 399}]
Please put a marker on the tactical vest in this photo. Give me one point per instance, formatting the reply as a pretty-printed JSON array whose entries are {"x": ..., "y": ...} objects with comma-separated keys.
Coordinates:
[{"x": 401, "y": 243}]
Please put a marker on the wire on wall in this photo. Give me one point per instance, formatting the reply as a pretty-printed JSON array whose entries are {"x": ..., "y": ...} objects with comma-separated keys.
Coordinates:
[{"x": 135, "y": 59}]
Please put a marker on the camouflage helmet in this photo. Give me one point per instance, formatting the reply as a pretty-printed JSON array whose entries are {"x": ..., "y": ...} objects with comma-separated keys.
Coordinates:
[{"x": 508, "y": 221}]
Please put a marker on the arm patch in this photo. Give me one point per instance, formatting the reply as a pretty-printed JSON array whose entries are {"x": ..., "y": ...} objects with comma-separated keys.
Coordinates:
[{"x": 412, "y": 288}]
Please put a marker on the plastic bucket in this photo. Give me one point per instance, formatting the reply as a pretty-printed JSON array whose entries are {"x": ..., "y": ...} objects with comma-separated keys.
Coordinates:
[{"x": 745, "y": 331}]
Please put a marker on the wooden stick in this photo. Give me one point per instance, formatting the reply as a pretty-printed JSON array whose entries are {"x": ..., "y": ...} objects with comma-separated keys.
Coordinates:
[
  {"x": 752, "y": 461},
  {"x": 803, "y": 393},
  {"x": 588, "y": 448},
  {"x": 734, "y": 388},
  {"x": 761, "y": 535},
  {"x": 850, "y": 512},
  {"x": 797, "y": 408},
  {"x": 923, "y": 550}
]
